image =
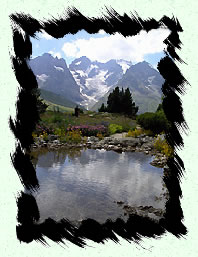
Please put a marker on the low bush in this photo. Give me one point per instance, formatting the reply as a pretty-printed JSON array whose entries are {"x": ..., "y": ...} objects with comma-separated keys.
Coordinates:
[
  {"x": 156, "y": 122},
  {"x": 100, "y": 136},
  {"x": 41, "y": 129},
  {"x": 126, "y": 127},
  {"x": 60, "y": 132},
  {"x": 114, "y": 128},
  {"x": 88, "y": 130},
  {"x": 134, "y": 133},
  {"x": 162, "y": 146},
  {"x": 137, "y": 132},
  {"x": 73, "y": 136}
]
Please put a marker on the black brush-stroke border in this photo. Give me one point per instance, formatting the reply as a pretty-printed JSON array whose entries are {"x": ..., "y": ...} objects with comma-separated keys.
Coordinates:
[{"x": 27, "y": 116}]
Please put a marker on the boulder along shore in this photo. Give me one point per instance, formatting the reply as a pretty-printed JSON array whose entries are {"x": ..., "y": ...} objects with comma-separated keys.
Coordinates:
[{"x": 118, "y": 142}]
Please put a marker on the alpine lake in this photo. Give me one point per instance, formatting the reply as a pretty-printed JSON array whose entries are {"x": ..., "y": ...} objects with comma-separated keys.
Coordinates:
[{"x": 77, "y": 184}]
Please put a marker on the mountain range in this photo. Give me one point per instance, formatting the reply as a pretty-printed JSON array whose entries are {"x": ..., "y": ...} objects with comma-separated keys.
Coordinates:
[{"x": 88, "y": 83}]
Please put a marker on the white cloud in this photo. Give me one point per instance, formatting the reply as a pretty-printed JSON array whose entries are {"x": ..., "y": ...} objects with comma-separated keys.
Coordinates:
[
  {"x": 117, "y": 46},
  {"x": 45, "y": 35},
  {"x": 57, "y": 54}
]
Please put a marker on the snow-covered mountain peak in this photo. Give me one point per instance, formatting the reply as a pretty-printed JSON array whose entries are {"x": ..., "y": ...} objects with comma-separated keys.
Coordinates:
[
  {"x": 95, "y": 78},
  {"x": 124, "y": 64}
]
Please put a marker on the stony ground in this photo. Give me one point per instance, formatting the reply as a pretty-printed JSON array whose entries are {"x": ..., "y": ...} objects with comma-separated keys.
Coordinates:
[{"x": 119, "y": 135}]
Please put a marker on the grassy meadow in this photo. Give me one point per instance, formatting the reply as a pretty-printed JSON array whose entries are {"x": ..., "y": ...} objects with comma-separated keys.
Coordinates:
[{"x": 61, "y": 121}]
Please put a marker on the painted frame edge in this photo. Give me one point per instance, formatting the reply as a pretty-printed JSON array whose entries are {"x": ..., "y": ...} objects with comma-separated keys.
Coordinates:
[{"x": 22, "y": 128}]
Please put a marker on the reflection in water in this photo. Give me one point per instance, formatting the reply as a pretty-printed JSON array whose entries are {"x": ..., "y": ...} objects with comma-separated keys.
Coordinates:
[{"x": 79, "y": 184}]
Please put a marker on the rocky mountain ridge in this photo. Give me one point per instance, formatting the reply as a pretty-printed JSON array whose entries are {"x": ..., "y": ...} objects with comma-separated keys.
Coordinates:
[{"x": 88, "y": 83}]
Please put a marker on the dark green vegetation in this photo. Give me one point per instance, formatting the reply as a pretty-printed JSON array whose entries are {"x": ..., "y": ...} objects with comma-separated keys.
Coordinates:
[
  {"x": 156, "y": 122},
  {"x": 41, "y": 105},
  {"x": 120, "y": 102}
]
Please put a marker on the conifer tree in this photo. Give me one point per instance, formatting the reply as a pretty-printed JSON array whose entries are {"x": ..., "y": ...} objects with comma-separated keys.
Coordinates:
[
  {"x": 102, "y": 108},
  {"x": 121, "y": 102},
  {"x": 40, "y": 104}
]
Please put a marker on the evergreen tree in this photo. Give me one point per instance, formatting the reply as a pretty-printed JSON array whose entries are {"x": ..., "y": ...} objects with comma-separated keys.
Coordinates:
[
  {"x": 40, "y": 104},
  {"x": 127, "y": 102},
  {"x": 113, "y": 102},
  {"x": 102, "y": 108},
  {"x": 121, "y": 102},
  {"x": 159, "y": 108}
]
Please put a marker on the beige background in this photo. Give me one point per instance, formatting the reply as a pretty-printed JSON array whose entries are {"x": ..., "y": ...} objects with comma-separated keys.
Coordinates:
[{"x": 168, "y": 245}]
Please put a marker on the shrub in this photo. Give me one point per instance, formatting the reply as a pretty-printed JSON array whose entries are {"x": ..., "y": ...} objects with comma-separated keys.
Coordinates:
[
  {"x": 60, "y": 132},
  {"x": 40, "y": 129},
  {"x": 34, "y": 135},
  {"x": 126, "y": 127},
  {"x": 162, "y": 146},
  {"x": 88, "y": 130},
  {"x": 135, "y": 133},
  {"x": 45, "y": 136},
  {"x": 100, "y": 136},
  {"x": 73, "y": 136},
  {"x": 148, "y": 132},
  {"x": 114, "y": 128},
  {"x": 156, "y": 122}
]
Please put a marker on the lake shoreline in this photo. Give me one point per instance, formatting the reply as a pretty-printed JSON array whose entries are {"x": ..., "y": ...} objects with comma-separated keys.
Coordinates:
[{"x": 142, "y": 143}]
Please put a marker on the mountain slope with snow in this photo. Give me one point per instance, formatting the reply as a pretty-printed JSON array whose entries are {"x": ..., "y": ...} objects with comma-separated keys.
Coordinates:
[
  {"x": 53, "y": 75},
  {"x": 145, "y": 85},
  {"x": 88, "y": 83},
  {"x": 95, "y": 78}
]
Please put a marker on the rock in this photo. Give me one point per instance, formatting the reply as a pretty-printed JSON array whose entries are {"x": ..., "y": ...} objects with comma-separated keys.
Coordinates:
[
  {"x": 39, "y": 140},
  {"x": 126, "y": 207},
  {"x": 93, "y": 139},
  {"x": 52, "y": 137},
  {"x": 158, "y": 212},
  {"x": 117, "y": 149},
  {"x": 151, "y": 215},
  {"x": 107, "y": 139},
  {"x": 120, "y": 202},
  {"x": 56, "y": 142},
  {"x": 141, "y": 136},
  {"x": 126, "y": 143}
]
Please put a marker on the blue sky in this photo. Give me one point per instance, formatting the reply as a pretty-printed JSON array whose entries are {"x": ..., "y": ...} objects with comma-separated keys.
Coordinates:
[{"x": 103, "y": 47}]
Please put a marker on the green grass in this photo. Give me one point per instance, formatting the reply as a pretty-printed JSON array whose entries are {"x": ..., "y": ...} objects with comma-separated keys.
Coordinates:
[
  {"x": 51, "y": 107},
  {"x": 56, "y": 99},
  {"x": 63, "y": 119}
]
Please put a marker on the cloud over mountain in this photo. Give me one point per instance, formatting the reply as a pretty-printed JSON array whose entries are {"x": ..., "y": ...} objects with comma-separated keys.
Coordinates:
[{"x": 117, "y": 46}]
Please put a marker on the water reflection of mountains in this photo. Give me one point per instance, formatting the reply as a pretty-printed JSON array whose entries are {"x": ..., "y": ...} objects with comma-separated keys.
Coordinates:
[
  {"x": 79, "y": 183},
  {"x": 46, "y": 158}
]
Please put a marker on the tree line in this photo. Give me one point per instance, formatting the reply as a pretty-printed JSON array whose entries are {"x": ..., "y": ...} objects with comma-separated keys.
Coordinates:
[{"x": 120, "y": 101}]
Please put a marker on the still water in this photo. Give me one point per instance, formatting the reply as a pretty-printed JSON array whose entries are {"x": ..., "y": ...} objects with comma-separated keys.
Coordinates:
[{"x": 87, "y": 183}]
